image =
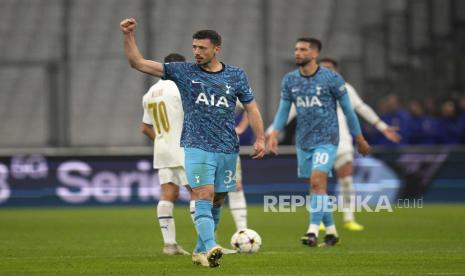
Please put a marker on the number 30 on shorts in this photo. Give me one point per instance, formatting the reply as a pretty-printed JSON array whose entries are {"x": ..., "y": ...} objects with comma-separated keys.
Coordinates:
[{"x": 320, "y": 158}]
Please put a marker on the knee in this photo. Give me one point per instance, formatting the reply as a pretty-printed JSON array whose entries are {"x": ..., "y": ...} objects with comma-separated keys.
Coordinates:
[
  {"x": 318, "y": 184},
  {"x": 170, "y": 194},
  {"x": 219, "y": 199},
  {"x": 203, "y": 194}
]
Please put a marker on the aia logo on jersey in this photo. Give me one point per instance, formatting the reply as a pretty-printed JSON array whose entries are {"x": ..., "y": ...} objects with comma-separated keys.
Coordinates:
[
  {"x": 212, "y": 100},
  {"x": 308, "y": 101}
]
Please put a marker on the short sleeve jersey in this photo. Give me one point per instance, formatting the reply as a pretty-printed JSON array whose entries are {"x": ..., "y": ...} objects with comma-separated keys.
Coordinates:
[
  {"x": 209, "y": 100},
  {"x": 315, "y": 98}
]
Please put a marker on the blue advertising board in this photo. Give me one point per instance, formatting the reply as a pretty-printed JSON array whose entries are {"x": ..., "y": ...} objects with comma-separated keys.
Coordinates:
[{"x": 38, "y": 180}]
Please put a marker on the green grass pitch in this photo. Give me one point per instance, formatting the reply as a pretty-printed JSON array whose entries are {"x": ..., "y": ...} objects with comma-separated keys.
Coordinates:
[{"x": 127, "y": 241}]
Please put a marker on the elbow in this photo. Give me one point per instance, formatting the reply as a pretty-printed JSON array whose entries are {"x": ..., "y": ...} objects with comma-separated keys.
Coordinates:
[
  {"x": 143, "y": 130},
  {"x": 134, "y": 64}
]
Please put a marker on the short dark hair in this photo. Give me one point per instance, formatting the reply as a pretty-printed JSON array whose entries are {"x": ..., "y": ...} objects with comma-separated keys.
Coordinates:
[
  {"x": 314, "y": 43},
  {"x": 333, "y": 61},
  {"x": 214, "y": 36},
  {"x": 174, "y": 57}
]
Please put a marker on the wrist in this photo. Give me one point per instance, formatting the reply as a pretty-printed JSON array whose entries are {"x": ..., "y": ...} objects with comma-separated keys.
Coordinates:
[{"x": 359, "y": 138}]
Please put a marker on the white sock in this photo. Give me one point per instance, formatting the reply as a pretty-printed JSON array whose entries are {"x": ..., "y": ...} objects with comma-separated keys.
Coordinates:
[
  {"x": 348, "y": 196},
  {"x": 331, "y": 230},
  {"x": 192, "y": 210},
  {"x": 314, "y": 228},
  {"x": 166, "y": 220},
  {"x": 238, "y": 208}
]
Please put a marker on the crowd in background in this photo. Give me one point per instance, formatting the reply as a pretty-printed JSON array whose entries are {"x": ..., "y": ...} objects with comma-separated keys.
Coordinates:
[{"x": 421, "y": 122}]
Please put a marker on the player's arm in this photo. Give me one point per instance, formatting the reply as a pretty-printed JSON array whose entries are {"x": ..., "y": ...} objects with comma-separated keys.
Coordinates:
[
  {"x": 292, "y": 115},
  {"x": 148, "y": 131},
  {"x": 278, "y": 124},
  {"x": 135, "y": 58},
  {"x": 354, "y": 124},
  {"x": 243, "y": 124},
  {"x": 367, "y": 113},
  {"x": 256, "y": 122}
]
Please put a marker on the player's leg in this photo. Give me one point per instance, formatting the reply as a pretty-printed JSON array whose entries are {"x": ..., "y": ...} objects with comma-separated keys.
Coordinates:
[
  {"x": 225, "y": 182},
  {"x": 171, "y": 180},
  {"x": 304, "y": 170},
  {"x": 237, "y": 203},
  {"x": 344, "y": 172},
  {"x": 200, "y": 171},
  {"x": 322, "y": 160}
]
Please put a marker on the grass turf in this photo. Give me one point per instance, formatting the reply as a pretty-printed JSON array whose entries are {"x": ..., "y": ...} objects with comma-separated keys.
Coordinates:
[{"x": 98, "y": 241}]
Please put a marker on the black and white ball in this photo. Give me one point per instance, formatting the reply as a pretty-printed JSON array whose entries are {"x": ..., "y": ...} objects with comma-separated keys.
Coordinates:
[{"x": 246, "y": 241}]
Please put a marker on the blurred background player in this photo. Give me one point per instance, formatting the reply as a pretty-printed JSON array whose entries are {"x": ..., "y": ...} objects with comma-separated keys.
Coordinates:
[
  {"x": 237, "y": 201},
  {"x": 345, "y": 152},
  {"x": 315, "y": 92},
  {"x": 162, "y": 123},
  {"x": 209, "y": 91}
]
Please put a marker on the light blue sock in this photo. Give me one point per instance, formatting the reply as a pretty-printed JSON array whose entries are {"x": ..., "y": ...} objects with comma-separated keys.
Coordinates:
[
  {"x": 204, "y": 223},
  {"x": 199, "y": 247},
  {"x": 216, "y": 212},
  {"x": 317, "y": 202},
  {"x": 328, "y": 216}
]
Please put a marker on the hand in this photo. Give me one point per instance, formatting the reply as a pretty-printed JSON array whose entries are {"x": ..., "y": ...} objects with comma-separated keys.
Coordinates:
[
  {"x": 391, "y": 134},
  {"x": 272, "y": 143},
  {"x": 362, "y": 145},
  {"x": 128, "y": 25},
  {"x": 258, "y": 149}
]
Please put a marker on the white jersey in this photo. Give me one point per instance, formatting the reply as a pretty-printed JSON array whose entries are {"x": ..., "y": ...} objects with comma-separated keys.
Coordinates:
[
  {"x": 361, "y": 108},
  {"x": 163, "y": 110}
]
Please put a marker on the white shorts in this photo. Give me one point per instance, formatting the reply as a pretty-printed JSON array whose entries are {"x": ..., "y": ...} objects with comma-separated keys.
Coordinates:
[
  {"x": 175, "y": 175},
  {"x": 238, "y": 169},
  {"x": 345, "y": 150}
]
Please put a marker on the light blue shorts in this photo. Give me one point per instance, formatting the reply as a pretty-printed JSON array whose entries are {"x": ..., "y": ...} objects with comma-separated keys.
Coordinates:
[
  {"x": 207, "y": 168},
  {"x": 319, "y": 158}
]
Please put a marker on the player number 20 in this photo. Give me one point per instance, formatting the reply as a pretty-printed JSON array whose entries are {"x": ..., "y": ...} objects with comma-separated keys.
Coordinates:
[{"x": 160, "y": 116}]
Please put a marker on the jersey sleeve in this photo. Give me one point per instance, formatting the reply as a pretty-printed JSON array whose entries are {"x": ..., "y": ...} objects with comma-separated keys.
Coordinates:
[
  {"x": 337, "y": 86},
  {"x": 285, "y": 91},
  {"x": 245, "y": 93},
  {"x": 146, "y": 116},
  {"x": 364, "y": 110},
  {"x": 174, "y": 71}
]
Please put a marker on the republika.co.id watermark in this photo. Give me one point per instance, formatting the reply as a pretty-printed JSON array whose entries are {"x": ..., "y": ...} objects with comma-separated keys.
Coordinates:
[{"x": 357, "y": 203}]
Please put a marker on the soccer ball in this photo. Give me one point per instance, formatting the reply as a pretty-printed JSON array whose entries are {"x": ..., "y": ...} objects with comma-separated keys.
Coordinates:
[{"x": 246, "y": 241}]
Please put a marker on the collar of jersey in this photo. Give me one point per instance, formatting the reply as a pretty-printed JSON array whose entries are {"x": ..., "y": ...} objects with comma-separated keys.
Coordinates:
[
  {"x": 216, "y": 72},
  {"x": 309, "y": 76}
]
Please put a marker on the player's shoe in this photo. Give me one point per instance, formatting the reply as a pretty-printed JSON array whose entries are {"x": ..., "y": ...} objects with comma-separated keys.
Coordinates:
[
  {"x": 322, "y": 227},
  {"x": 227, "y": 251},
  {"x": 330, "y": 240},
  {"x": 174, "y": 249},
  {"x": 353, "y": 226},
  {"x": 200, "y": 259},
  {"x": 309, "y": 239},
  {"x": 214, "y": 255}
]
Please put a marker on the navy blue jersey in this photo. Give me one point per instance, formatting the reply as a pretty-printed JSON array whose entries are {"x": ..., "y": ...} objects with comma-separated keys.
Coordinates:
[
  {"x": 315, "y": 98},
  {"x": 209, "y": 100}
]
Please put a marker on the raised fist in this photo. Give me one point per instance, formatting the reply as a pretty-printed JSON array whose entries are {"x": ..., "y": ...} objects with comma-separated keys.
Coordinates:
[{"x": 128, "y": 25}]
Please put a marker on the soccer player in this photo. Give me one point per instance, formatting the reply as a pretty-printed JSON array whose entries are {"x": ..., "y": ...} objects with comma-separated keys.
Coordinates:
[
  {"x": 162, "y": 123},
  {"x": 345, "y": 152},
  {"x": 315, "y": 92},
  {"x": 237, "y": 202},
  {"x": 209, "y": 90}
]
